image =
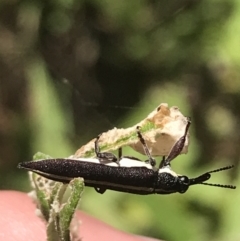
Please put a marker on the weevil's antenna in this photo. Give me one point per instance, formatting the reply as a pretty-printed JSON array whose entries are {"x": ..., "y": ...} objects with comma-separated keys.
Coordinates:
[
  {"x": 206, "y": 176},
  {"x": 219, "y": 185},
  {"x": 222, "y": 169}
]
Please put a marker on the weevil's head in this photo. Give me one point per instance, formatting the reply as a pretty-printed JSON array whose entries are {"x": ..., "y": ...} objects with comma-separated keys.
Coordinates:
[
  {"x": 170, "y": 182},
  {"x": 183, "y": 182}
]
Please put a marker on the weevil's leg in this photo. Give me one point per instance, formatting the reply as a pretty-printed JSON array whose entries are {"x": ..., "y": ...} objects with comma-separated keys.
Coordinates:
[
  {"x": 177, "y": 147},
  {"x": 119, "y": 153},
  {"x": 104, "y": 156},
  {"x": 150, "y": 160},
  {"x": 100, "y": 190},
  {"x": 162, "y": 163}
]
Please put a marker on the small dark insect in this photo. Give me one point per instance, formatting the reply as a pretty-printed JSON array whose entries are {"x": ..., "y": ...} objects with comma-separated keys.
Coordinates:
[{"x": 124, "y": 174}]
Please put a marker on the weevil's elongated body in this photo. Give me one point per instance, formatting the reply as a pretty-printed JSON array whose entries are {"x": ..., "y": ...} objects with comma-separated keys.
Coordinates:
[
  {"x": 135, "y": 177},
  {"x": 138, "y": 179},
  {"x": 126, "y": 174}
]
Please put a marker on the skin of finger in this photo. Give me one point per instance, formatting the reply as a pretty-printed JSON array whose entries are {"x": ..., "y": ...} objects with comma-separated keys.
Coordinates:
[{"x": 18, "y": 222}]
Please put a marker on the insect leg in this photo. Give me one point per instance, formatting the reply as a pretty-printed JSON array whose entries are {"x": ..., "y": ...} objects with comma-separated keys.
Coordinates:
[
  {"x": 103, "y": 156},
  {"x": 119, "y": 153},
  {"x": 150, "y": 160},
  {"x": 162, "y": 163},
  {"x": 177, "y": 147}
]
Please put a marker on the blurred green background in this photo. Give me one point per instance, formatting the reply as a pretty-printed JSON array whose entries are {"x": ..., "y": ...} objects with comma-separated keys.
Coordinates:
[{"x": 71, "y": 69}]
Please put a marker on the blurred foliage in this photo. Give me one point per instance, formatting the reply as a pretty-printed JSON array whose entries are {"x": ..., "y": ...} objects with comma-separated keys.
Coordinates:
[{"x": 71, "y": 69}]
